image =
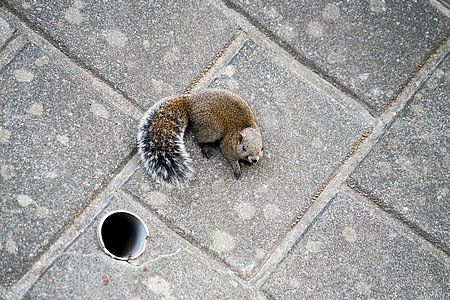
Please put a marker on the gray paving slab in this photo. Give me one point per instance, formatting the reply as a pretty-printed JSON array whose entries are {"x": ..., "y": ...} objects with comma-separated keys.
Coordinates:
[
  {"x": 168, "y": 269},
  {"x": 60, "y": 139},
  {"x": 353, "y": 251},
  {"x": 305, "y": 134},
  {"x": 145, "y": 48},
  {"x": 6, "y": 32},
  {"x": 409, "y": 168},
  {"x": 369, "y": 47}
]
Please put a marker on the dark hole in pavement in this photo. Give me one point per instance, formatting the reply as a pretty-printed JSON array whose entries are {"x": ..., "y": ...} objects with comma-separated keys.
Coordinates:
[{"x": 123, "y": 235}]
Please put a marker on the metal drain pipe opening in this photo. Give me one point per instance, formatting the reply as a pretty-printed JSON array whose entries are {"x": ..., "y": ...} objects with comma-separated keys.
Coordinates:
[{"x": 122, "y": 235}]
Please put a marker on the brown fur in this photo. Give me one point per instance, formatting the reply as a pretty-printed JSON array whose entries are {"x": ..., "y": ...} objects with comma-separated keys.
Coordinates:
[
  {"x": 219, "y": 115},
  {"x": 215, "y": 116},
  {"x": 171, "y": 116}
]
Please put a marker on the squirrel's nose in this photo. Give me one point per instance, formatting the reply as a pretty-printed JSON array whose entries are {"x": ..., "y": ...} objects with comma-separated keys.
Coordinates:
[{"x": 254, "y": 161}]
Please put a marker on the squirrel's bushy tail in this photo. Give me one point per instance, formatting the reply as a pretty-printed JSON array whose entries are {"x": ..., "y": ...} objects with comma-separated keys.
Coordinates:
[{"x": 160, "y": 141}]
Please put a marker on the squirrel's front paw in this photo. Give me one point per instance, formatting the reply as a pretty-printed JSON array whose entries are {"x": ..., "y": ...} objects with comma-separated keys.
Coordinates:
[
  {"x": 206, "y": 151},
  {"x": 237, "y": 174}
]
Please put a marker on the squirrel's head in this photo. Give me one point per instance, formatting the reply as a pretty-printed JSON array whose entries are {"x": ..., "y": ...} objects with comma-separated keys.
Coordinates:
[{"x": 249, "y": 145}]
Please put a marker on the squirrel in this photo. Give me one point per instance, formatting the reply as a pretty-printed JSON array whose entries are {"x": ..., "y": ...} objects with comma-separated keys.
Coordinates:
[{"x": 215, "y": 115}]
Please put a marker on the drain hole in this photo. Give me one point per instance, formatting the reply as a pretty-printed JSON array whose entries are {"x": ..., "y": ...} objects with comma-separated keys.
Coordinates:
[{"x": 122, "y": 235}]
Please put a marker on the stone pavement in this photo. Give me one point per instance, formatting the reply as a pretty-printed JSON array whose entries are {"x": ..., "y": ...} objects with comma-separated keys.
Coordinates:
[{"x": 351, "y": 198}]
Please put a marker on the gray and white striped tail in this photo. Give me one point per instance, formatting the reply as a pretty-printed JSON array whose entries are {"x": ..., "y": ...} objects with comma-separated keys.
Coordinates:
[{"x": 168, "y": 167}]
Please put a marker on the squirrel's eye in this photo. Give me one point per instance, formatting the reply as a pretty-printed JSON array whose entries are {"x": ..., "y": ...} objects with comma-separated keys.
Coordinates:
[
  {"x": 244, "y": 149},
  {"x": 262, "y": 148}
]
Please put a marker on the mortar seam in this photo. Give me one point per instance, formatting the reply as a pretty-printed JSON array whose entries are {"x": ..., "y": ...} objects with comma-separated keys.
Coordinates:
[
  {"x": 11, "y": 49},
  {"x": 71, "y": 221},
  {"x": 412, "y": 76},
  {"x": 181, "y": 233},
  {"x": 298, "y": 56},
  {"x": 353, "y": 184},
  {"x": 259, "y": 275},
  {"x": 78, "y": 61},
  {"x": 215, "y": 63}
]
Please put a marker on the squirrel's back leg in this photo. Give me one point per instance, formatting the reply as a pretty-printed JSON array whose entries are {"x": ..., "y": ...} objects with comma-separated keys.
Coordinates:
[
  {"x": 206, "y": 150},
  {"x": 205, "y": 137}
]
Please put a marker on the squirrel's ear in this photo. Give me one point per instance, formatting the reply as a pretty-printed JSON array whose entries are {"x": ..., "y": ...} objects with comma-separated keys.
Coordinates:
[{"x": 240, "y": 137}]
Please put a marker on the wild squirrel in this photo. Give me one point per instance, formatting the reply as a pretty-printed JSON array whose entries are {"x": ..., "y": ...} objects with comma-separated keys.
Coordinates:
[{"x": 215, "y": 115}]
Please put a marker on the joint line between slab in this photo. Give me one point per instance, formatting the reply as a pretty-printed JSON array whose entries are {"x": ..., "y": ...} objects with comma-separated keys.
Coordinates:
[
  {"x": 189, "y": 239},
  {"x": 321, "y": 198},
  {"x": 256, "y": 35},
  {"x": 414, "y": 75},
  {"x": 354, "y": 185},
  {"x": 296, "y": 55},
  {"x": 14, "y": 35},
  {"x": 32, "y": 30},
  {"x": 13, "y": 46},
  {"x": 75, "y": 226},
  {"x": 442, "y": 7},
  {"x": 222, "y": 57}
]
